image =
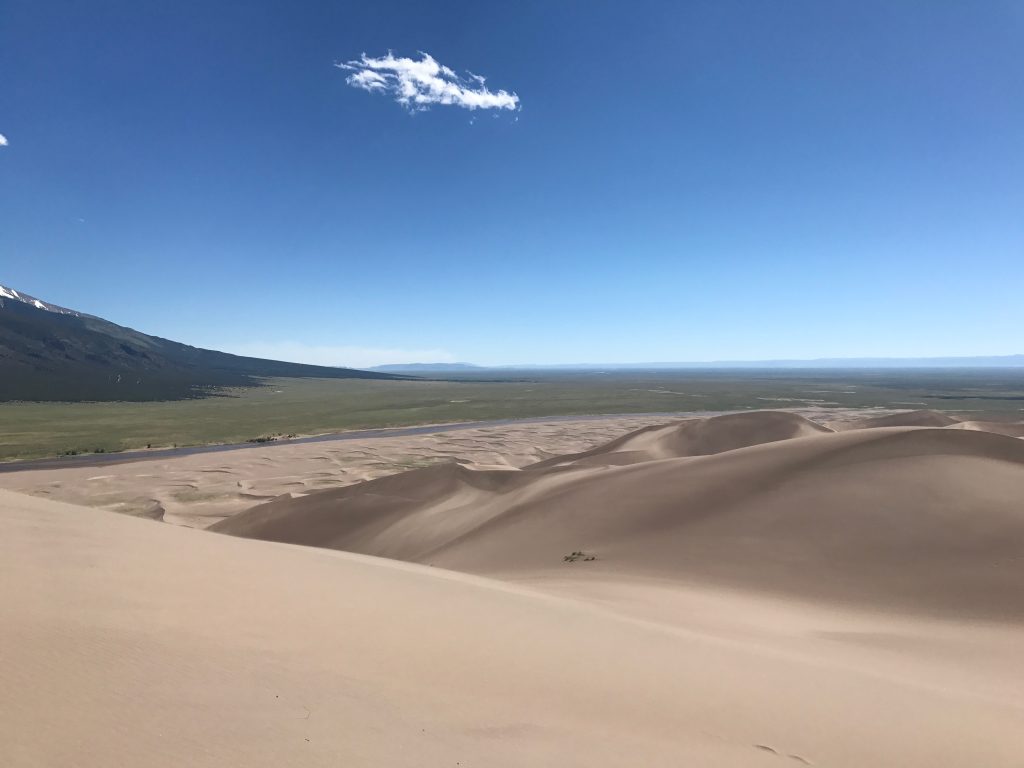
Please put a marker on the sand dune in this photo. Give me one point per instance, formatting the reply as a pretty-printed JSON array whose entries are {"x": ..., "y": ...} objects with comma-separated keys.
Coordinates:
[
  {"x": 923, "y": 418},
  {"x": 763, "y": 591},
  {"x": 129, "y": 642},
  {"x": 996, "y": 427},
  {"x": 199, "y": 490},
  {"x": 910, "y": 519},
  {"x": 694, "y": 437}
]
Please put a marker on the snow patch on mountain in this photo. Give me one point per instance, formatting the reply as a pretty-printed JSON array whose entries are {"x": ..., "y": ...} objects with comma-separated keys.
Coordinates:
[{"x": 24, "y": 298}]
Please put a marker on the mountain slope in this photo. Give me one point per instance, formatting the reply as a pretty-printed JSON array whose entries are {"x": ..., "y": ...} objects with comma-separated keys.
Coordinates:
[{"x": 52, "y": 353}]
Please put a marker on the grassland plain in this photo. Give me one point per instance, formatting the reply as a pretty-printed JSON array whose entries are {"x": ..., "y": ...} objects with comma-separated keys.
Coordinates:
[{"x": 312, "y": 406}]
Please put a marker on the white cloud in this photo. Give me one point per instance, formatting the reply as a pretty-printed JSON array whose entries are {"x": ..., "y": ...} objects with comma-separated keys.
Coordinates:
[
  {"x": 417, "y": 85},
  {"x": 347, "y": 357},
  {"x": 3, "y": 140}
]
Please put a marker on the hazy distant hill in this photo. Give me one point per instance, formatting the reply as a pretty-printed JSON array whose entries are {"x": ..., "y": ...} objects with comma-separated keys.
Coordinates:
[
  {"x": 53, "y": 353},
  {"x": 427, "y": 367},
  {"x": 992, "y": 361}
]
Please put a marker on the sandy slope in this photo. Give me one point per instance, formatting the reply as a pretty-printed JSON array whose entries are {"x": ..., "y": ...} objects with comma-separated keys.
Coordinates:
[
  {"x": 130, "y": 643},
  {"x": 915, "y": 519}
]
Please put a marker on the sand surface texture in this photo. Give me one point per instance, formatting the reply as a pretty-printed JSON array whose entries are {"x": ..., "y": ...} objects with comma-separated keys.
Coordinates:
[
  {"x": 747, "y": 590},
  {"x": 199, "y": 490}
]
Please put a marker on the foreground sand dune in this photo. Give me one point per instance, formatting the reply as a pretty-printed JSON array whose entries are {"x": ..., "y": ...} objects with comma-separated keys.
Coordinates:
[
  {"x": 126, "y": 642},
  {"x": 914, "y": 519}
]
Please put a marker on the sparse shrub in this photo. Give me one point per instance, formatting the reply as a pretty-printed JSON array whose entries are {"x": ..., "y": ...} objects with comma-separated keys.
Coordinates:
[
  {"x": 262, "y": 439},
  {"x": 572, "y": 557}
]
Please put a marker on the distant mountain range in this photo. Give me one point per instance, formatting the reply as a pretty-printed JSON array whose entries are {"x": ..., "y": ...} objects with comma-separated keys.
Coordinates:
[
  {"x": 997, "y": 361},
  {"x": 428, "y": 367},
  {"x": 49, "y": 352}
]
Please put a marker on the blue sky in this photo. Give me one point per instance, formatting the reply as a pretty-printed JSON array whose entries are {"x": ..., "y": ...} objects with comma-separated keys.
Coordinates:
[{"x": 678, "y": 180}]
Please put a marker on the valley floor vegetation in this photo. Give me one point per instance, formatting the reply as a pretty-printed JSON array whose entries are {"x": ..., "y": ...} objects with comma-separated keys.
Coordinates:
[{"x": 316, "y": 406}]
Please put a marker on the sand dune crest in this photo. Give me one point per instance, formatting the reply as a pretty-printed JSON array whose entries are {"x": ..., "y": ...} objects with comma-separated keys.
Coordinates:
[
  {"x": 695, "y": 437},
  {"x": 923, "y": 418}
]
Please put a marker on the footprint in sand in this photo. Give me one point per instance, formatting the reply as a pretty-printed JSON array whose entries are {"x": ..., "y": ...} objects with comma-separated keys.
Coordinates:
[{"x": 798, "y": 758}]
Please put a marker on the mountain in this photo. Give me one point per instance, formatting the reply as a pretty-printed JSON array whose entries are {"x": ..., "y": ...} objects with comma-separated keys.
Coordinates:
[
  {"x": 48, "y": 352},
  {"x": 427, "y": 367}
]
